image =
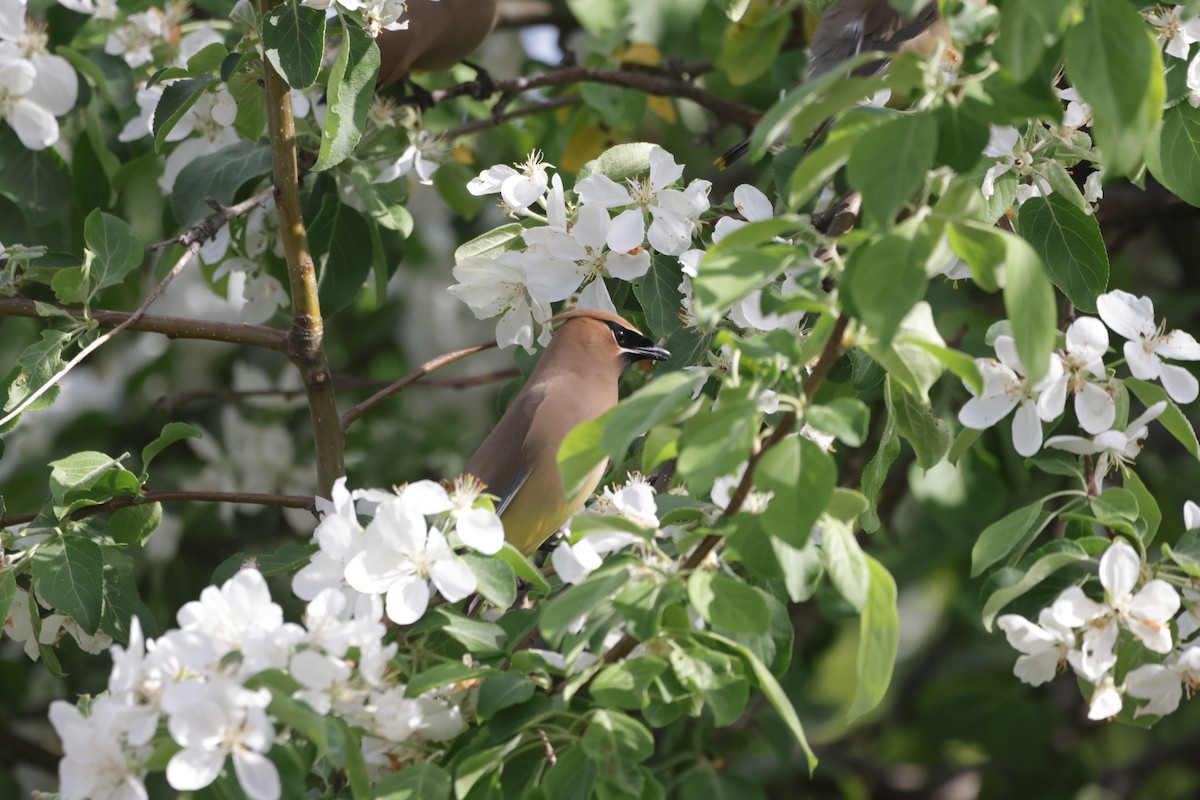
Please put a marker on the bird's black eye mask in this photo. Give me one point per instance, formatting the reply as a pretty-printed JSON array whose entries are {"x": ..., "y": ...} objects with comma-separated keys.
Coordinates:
[{"x": 634, "y": 346}]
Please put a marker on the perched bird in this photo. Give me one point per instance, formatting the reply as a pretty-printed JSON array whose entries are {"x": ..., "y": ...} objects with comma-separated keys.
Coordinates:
[
  {"x": 850, "y": 27},
  {"x": 574, "y": 381},
  {"x": 439, "y": 35}
]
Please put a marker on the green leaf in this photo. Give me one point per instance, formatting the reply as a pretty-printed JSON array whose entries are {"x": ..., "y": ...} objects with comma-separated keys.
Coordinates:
[
  {"x": 658, "y": 292},
  {"x": 847, "y": 418},
  {"x": 494, "y": 579},
  {"x": 77, "y": 472},
  {"x": 1173, "y": 152},
  {"x": 351, "y": 89},
  {"x": 883, "y": 281},
  {"x": 714, "y": 443},
  {"x": 1115, "y": 64},
  {"x": 172, "y": 432},
  {"x": 982, "y": 247},
  {"x": 1115, "y": 506},
  {"x": 579, "y": 600},
  {"x": 878, "y": 641},
  {"x": 420, "y": 780},
  {"x": 1050, "y": 559},
  {"x": 915, "y": 421},
  {"x": 1021, "y": 42},
  {"x": 620, "y": 162},
  {"x": 1029, "y": 300},
  {"x": 625, "y": 685},
  {"x": 1149, "y": 513},
  {"x": 887, "y": 182},
  {"x": 116, "y": 249},
  {"x": 38, "y": 182},
  {"x": 1069, "y": 243},
  {"x": 39, "y": 362},
  {"x": 341, "y": 244},
  {"x": 294, "y": 40},
  {"x": 442, "y": 674},
  {"x": 818, "y": 167},
  {"x": 133, "y": 525},
  {"x": 845, "y": 562},
  {"x": 801, "y": 477},
  {"x": 478, "y": 636},
  {"x": 729, "y": 272},
  {"x": 876, "y": 471},
  {"x": 1172, "y": 418},
  {"x": 957, "y": 362},
  {"x": 523, "y": 569},
  {"x": 355, "y": 764},
  {"x": 8, "y": 591},
  {"x": 500, "y": 690},
  {"x": 751, "y": 47},
  {"x": 218, "y": 176},
  {"x": 177, "y": 99},
  {"x": 1011, "y": 533},
  {"x": 775, "y": 695},
  {"x": 728, "y": 604},
  {"x": 961, "y": 137},
  {"x": 658, "y": 401},
  {"x": 804, "y": 108},
  {"x": 68, "y": 572},
  {"x": 908, "y": 364},
  {"x": 581, "y": 453},
  {"x": 571, "y": 777}
]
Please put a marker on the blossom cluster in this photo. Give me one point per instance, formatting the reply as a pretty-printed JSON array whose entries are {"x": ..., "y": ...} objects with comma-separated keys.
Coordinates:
[
  {"x": 36, "y": 87},
  {"x": 580, "y": 242},
  {"x": 204, "y": 679},
  {"x": 601, "y": 229},
  {"x": 376, "y": 15},
  {"x": 1083, "y": 633},
  {"x": 1177, "y": 34},
  {"x": 1079, "y": 370}
]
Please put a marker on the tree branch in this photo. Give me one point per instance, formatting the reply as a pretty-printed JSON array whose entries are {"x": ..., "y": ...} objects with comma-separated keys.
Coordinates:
[
  {"x": 243, "y": 498},
  {"x": 208, "y": 227},
  {"x": 412, "y": 377},
  {"x": 498, "y": 119},
  {"x": 666, "y": 83},
  {"x": 171, "y": 327},
  {"x": 305, "y": 340},
  {"x": 842, "y": 221}
]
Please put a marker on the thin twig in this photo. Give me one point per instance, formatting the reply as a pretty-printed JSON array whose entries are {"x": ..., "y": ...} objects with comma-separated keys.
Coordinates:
[
  {"x": 171, "y": 327},
  {"x": 412, "y": 377},
  {"x": 523, "y": 111},
  {"x": 208, "y": 227},
  {"x": 835, "y": 346},
  {"x": 663, "y": 82},
  {"x": 190, "y": 251},
  {"x": 306, "y": 502}
]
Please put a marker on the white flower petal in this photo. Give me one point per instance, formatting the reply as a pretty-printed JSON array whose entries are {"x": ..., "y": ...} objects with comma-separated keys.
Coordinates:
[
  {"x": 1095, "y": 408},
  {"x": 627, "y": 231},
  {"x": 1027, "y": 429},
  {"x": 1130, "y": 316},
  {"x": 407, "y": 600},
  {"x": 453, "y": 578},
  {"x": 1181, "y": 385},
  {"x": 752, "y": 203},
  {"x": 193, "y": 768},
  {"x": 258, "y": 776},
  {"x": 480, "y": 530},
  {"x": 1119, "y": 567},
  {"x": 602, "y": 190}
]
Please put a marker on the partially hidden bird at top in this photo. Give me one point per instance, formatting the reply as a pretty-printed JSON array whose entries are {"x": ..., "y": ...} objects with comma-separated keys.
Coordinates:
[
  {"x": 574, "y": 381},
  {"x": 850, "y": 27},
  {"x": 439, "y": 35}
]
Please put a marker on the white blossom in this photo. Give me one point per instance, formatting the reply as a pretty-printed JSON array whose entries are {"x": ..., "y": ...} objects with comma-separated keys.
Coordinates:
[
  {"x": 1163, "y": 684},
  {"x": 403, "y": 556},
  {"x": 1111, "y": 447},
  {"x": 1177, "y": 35},
  {"x": 497, "y": 287},
  {"x": 1133, "y": 318},
  {"x": 424, "y": 154},
  {"x": 518, "y": 189},
  {"x": 1081, "y": 365},
  {"x": 1005, "y": 388},
  {"x": 96, "y": 761},
  {"x": 1044, "y": 646}
]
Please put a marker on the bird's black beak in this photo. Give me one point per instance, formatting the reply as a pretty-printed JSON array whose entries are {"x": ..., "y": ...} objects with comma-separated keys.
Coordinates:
[{"x": 651, "y": 351}]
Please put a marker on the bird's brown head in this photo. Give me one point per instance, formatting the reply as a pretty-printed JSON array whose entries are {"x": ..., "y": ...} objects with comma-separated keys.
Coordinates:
[{"x": 607, "y": 336}]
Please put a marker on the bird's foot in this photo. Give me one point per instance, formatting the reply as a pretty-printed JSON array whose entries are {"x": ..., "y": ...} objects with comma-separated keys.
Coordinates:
[
  {"x": 417, "y": 95},
  {"x": 483, "y": 86}
]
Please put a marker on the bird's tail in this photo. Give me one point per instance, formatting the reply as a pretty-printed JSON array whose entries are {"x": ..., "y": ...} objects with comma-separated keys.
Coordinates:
[{"x": 733, "y": 154}]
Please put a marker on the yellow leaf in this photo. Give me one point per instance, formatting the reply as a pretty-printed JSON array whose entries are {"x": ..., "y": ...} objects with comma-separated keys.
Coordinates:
[
  {"x": 462, "y": 154},
  {"x": 584, "y": 145},
  {"x": 663, "y": 107},
  {"x": 641, "y": 53}
]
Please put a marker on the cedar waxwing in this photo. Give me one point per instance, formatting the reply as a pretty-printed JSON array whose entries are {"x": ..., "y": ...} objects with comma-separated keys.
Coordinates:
[
  {"x": 439, "y": 35},
  {"x": 574, "y": 381},
  {"x": 850, "y": 27}
]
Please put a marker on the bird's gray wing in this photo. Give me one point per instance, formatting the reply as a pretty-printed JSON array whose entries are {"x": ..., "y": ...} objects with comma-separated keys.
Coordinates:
[{"x": 508, "y": 490}]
